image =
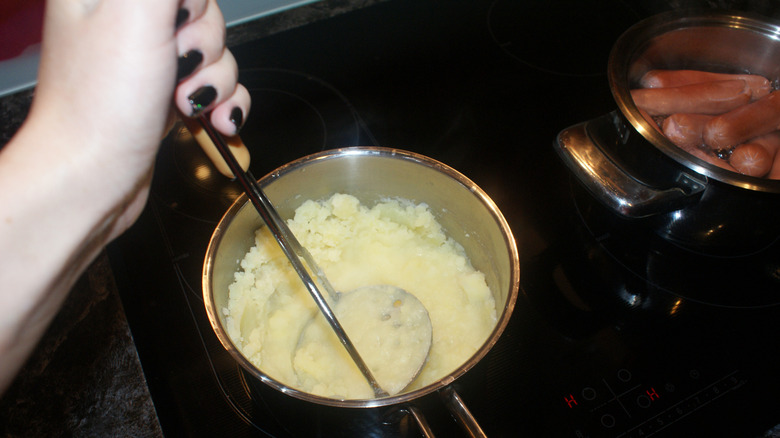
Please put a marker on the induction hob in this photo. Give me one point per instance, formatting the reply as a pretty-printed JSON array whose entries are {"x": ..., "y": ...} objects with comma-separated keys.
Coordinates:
[{"x": 605, "y": 339}]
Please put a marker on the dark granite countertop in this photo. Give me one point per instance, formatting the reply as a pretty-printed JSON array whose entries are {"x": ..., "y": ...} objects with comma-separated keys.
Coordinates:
[{"x": 85, "y": 377}]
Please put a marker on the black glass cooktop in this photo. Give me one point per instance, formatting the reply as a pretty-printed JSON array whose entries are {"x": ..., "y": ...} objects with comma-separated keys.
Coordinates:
[{"x": 616, "y": 333}]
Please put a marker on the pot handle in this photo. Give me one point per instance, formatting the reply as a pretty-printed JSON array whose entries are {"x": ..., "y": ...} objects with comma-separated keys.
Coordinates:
[
  {"x": 422, "y": 423},
  {"x": 612, "y": 185},
  {"x": 458, "y": 409}
]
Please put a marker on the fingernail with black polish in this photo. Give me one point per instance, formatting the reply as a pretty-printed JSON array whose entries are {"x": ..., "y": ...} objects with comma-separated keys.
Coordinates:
[
  {"x": 181, "y": 17},
  {"x": 237, "y": 118},
  {"x": 188, "y": 62},
  {"x": 201, "y": 99}
]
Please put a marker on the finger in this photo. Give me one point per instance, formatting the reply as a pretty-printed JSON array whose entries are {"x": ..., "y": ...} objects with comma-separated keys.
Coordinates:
[
  {"x": 229, "y": 116},
  {"x": 190, "y": 11},
  {"x": 208, "y": 87},
  {"x": 201, "y": 42}
]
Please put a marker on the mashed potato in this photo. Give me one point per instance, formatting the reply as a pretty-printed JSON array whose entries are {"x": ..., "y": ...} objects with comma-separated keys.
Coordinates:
[{"x": 395, "y": 242}]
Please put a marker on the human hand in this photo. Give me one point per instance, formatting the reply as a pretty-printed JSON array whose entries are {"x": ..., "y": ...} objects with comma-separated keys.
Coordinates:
[
  {"x": 109, "y": 74},
  {"x": 108, "y": 81}
]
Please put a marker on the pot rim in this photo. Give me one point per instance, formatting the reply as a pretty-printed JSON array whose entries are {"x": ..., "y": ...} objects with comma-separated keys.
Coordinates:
[
  {"x": 242, "y": 202},
  {"x": 634, "y": 40}
]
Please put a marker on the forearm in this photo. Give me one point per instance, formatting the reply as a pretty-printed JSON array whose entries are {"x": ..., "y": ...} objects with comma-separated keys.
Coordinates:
[
  {"x": 50, "y": 232},
  {"x": 77, "y": 173}
]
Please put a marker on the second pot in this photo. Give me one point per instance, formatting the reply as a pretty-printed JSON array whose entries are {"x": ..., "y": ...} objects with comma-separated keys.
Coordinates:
[{"x": 636, "y": 171}]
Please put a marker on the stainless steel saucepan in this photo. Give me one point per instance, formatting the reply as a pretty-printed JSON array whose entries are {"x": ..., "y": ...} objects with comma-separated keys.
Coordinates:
[{"x": 371, "y": 173}]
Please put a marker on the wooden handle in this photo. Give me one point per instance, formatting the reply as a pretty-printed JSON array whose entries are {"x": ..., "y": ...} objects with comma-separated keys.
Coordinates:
[{"x": 234, "y": 142}]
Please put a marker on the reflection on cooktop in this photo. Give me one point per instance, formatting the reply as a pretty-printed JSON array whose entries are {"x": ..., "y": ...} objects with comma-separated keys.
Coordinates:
[
  {"x": 576, "y": 41},
  {"x": 296, "y": 114},
  {"x": 629, "y": 254},
  {"x": 292, "y": 114}
]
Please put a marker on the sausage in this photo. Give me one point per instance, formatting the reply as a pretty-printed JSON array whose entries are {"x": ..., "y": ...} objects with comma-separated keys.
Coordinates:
[
  {"x": 774, "y": 172},
  {"x": 759, "y": 85},
  {"x": 705, "y": 98},
  {"x": 685, "y": 130},
  {"x": 742, "y": 124},
  {"x": 709, "y": 157},
  {"x": 751, "y": 159},
  {"x": 771, "y": 142}
]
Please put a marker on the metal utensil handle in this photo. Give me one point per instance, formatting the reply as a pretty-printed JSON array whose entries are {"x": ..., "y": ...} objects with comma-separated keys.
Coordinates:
[{"x": 294, "y": 251}]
